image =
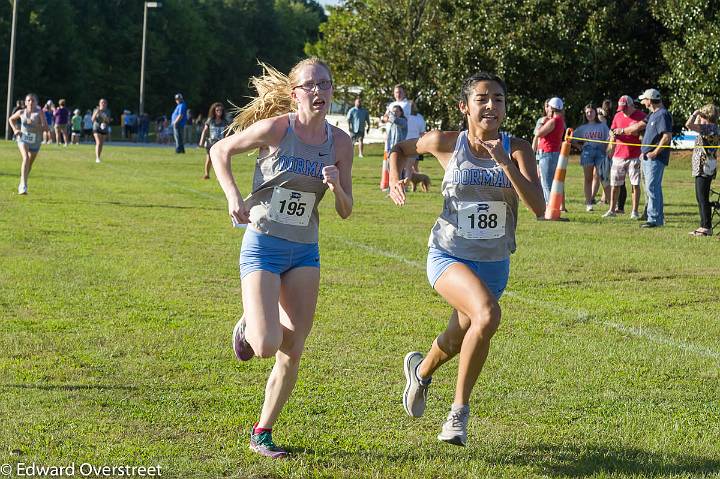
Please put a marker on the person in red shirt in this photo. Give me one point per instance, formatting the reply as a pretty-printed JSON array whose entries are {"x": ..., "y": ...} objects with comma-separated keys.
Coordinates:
[
  {"x": 550, "y": 136},
  {"x": 625, "y": 129}
]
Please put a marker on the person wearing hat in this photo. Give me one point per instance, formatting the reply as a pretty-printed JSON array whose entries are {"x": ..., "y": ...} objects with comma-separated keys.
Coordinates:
[
  {"x": 658, "y": 133},
  {"x": 625, "y": 128},
  {"x": 178, "y": 119},
  {"x": 550, "y": 136}
]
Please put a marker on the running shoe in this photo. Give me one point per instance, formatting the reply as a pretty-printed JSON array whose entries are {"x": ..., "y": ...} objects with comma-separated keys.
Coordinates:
[
  {"x": 634, "y": 215},
  {"x": 454, "y": 430},
  {"x": 415, "y": 394},
  {"x": 243, "y": 350},
  {"x": 609, "y": 214},
  {"x": 263, "y": 444},
  {"x": 22, "y": 189},
  {"x": 588, "y": 207}
]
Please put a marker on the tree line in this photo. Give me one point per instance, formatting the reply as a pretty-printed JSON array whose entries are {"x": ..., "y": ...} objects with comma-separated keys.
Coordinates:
[
  {"x": 83, "y": 50},
  {"x": 581, "y": 50}
]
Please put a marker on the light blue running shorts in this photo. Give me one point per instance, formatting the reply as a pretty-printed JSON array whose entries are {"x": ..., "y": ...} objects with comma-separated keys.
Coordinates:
[
  {"x": 276, "y": 255},
  {"x": 494, "y": 274}
]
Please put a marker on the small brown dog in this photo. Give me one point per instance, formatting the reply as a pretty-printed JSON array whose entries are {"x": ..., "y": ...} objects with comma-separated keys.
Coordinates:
[{"x": 421, "y": 179}]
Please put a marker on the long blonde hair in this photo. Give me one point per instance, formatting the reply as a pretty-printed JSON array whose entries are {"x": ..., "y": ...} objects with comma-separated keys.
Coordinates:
[{"x": 274, "y": 94}]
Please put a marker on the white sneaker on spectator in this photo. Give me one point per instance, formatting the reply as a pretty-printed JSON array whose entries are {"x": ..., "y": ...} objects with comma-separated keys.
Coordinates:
[
  {"x": 634, "y": 215},
  {"x": 588, "y": 207},
  {"x": 609, "y": 214}
]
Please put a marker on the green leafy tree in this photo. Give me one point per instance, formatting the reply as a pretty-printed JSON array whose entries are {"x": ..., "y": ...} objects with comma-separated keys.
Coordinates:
[
  {"x": 82, "y": 50},
  {"x": 578, "y": 50},
  {"x": 691, "y": 52}
]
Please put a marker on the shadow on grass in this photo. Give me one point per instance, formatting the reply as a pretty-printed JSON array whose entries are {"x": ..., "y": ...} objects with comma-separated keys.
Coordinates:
[
  {"x": 69, "y": 387},
  {"x": 98, "y": 387},
  {"x": 134, "y": 205},
  {"x": 552, "y": 460},
  {"x": 578, "y": 461}
]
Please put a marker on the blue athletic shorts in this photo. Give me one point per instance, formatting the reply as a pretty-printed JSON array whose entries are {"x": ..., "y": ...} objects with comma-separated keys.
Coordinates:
[
  {"x": 592, "y": 157},
  {"x": 494, "y": 274},
  {"x": 276, "y": 255}
]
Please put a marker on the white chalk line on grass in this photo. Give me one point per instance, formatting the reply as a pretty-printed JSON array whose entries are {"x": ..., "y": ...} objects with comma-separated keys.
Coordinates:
[{"x": 579, "y": 315}]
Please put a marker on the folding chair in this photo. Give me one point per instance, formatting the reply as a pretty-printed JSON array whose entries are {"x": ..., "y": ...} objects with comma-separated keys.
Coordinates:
[{"x": 715, "y": 204}]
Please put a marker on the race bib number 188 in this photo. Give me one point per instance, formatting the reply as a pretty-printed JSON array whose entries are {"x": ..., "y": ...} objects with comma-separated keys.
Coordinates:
[
  {"x": 481, "y": 220},
  {"x": 291, "y": 207},
  {"x": 28, "y": 137}
]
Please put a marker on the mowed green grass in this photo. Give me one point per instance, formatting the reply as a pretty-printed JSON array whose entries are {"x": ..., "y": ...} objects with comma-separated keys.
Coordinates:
[{"x": 119, "y": 289}]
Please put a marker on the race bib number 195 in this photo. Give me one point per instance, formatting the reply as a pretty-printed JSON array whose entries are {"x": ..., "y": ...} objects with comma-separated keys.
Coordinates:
[
  {"x": 481, "y": 220},
  {"x": 291, "y": 207}
]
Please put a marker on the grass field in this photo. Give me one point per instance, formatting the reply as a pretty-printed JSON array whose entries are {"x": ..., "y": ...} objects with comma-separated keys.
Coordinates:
[{"x": 119, "y": 289}]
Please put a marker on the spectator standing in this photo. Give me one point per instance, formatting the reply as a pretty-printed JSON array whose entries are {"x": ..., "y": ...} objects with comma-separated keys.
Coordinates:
[
  {"x": 129, "y": 123},
  {"x": 143, "y": 127},
  {"x": 704, "y": 161},
  {"x": 61, "y": 117},
  {"x": 49, "y": 134},
  {"x": 398, "y": 128},
  {"x": 604, "y": 112},
  {"x": 76, "y": 122},
  {"x": 416, "y": 129},
  {"x": 87, "y": 126},
  {"x": 658, "y": 132},
  {"x": 188, "y": 128},
  {"x": 122, "y": 124},
  {"x": 401, "y": 100},
  {"x": 177, "y": 121},
  {"x": 592, "y": 156},
  {"x": 550, "y": 136},
  {"x": 198, "y": 125},
  {"x": 626, "y": 125},
  {"x": 358, "y": 123}
]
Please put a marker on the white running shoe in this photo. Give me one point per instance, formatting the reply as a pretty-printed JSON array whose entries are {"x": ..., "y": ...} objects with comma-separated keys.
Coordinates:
[
  {"x": 634, "y": 215},
  {"x": 588, "y": 207},
  {"x": 609, "y": 214},
  {"x": 415, "y": 394},
  {"x": 22, "y": 189},
  {"x": 454, "y": 430},
  {"x": 97, "y": 160}
]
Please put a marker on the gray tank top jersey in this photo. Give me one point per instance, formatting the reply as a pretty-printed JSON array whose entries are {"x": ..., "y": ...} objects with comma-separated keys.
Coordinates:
[
  {"x": 288, "y": 186},
  {"x": 480, "y": 207},
  {"x": 31, "y": 128}
]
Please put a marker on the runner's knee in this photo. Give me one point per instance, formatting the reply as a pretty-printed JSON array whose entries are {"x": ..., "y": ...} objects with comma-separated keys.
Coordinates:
[{"x": 486, "y": 319}]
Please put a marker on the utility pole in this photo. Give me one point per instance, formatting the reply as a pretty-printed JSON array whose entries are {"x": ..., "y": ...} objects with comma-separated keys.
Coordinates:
[
  {"x": 11, "y": 70},
  {"x": 141, "y": 109}
]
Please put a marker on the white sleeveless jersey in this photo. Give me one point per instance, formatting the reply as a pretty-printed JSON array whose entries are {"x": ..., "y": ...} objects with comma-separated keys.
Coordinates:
[
  {"x": 288, "y": 186},
  {"x": 480, "y": 207}
]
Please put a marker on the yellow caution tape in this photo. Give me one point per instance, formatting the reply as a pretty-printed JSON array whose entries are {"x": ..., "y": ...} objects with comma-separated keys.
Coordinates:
[{"x": 616, "y": 142}]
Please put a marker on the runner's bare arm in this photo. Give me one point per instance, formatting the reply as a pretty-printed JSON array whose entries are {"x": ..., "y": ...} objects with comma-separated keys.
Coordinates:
[
  {"x": 268, "y": 132},
  {"x": 339, "y": 176}
]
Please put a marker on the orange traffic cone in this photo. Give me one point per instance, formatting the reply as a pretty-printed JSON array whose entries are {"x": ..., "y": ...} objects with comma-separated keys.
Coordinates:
[
  {"x": 385, "y": 174},
  {"x": 557, "y": 191}
]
